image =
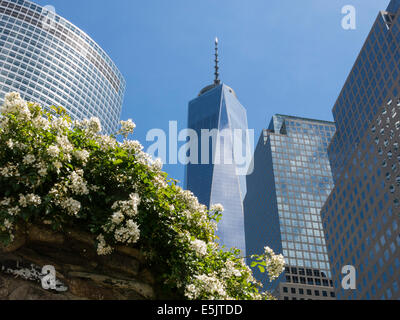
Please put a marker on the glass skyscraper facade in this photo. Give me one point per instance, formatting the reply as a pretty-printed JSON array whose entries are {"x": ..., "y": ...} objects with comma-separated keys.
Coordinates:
[
  {"x": 291, "y": 180},
  {"x": 50, "y": 61},
  {"x": 374, "y": 77},
  {"x": 361, "y": 216},
  {"x": 215, "y": 179}
]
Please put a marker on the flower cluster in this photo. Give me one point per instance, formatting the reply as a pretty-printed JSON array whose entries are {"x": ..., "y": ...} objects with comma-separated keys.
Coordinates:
[
  {"x": 275, "y": 264},
  {"x": 77, "y": 184},
  {"x": 127, "y": 127},
  {"x": 128, "y": 234},
  {"x": 204, "y": 285},
  {"x": 29, "y": 200},
  {"x": 199, "y": 246},
  {"x": 217, "y": 207},
  {"x": 102, "y": 247}
]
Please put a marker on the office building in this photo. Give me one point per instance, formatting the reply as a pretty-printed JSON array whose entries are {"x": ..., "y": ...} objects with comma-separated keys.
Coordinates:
[
  {"x": 361, "y": 216},
  {"x": 289, "y": 185},
  {"x": 215, "y": 179},
  {"x": 48, "y": 60},
  {"x": 373, "y": 78}
]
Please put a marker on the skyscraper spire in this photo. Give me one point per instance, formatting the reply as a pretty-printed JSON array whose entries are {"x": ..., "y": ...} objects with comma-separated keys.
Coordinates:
[{"x": 216, "y": 80}]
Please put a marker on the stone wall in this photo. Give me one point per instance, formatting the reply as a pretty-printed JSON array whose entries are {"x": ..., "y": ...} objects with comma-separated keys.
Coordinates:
[{"x": 122, "y": 275}]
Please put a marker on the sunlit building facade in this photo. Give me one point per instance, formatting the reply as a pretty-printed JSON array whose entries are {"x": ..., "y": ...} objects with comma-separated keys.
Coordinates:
[
  {"x": 48, "y": 60},
  {"x": 289, "y": 185},
  {"x": 361, "y": 216},
  {"x": 215, "y": 179},
  {"x": 373, "y": 78}
]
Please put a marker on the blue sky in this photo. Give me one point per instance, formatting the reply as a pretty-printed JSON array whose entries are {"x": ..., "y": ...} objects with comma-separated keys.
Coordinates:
[{"x": 280, "y": 56}]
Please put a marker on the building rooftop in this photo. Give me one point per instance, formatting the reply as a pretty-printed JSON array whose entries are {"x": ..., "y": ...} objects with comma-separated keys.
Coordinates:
[{"x": 305, "y": 119}]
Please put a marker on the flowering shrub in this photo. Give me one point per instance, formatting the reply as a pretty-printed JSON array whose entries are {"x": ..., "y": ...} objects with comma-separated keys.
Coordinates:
[{"x": 64, "y": 173}]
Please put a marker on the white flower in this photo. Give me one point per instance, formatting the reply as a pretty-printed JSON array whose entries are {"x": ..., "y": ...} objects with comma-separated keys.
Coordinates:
[
  {"x": 5, "y": 202},
  {"x": 8, "y": 224},
  {"x": 53, "y": 151},
  {"x": 42, "y": 169},
  {"x": 14, "y": 211},
  {"x": 22, "y": 201},
  {"x": 82, "y": 155},
  {"x": 132, "y": 146},
  {"x": 127, "y": 127},
  {"x": 143, "y": 158},
  {"x": 60, "y": 124},
  {"x": 41, "y": 123},
  {"x": 275, "y": 264},
  {"x": 159, "y": 181},
  {"x": 94, "y": 125},
  {"x": 205, "y": 284},
  {"x": 9, "y": 170},
  {"x": 10, "y": 144},
  {"x": 134, "y": 200},
  {"x": 199, "y": 246},
  {"x": 191, "y": 292},
  {"x": 106, "y": 142},
  {"x": 77, "y": 184},
  {"x": 102, "y": 247},
  {"x": 129, "y": 234},
  {"x": 157, "y": 164},
  {"x": 117, "y": 217},
  {"x": 57, "y": 165},
  {"x": 128, "y": 208},
  {"x": 64, "y": 144},
  {"x": 14, "y": 104},
  {"x": 217, "y": 207},
  {"x": 231, "y": 270},
  {"x": 29, "y": 200},
  {"x": 29, "y": 159},
  {"x": 72, "y": 206}
]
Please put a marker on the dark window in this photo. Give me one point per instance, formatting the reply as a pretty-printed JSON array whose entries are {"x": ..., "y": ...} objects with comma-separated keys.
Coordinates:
[
  {"x": 294, "y": 298},
  {"x": 332, "y": 294},
  {"x": 294, "y": 270},
  {"x": 316, "y": 293},
  {"x": 295, "y": 280},
  {"x": 293, "y": 290},
  {"x": 309, "y": 272},
  {"x": 302, "y": 272},
  {"x": 317, "y": 282},
  {"x": 285, "y": 298},
  {"x": 288, "y": 279},
  {"x": 309, "y": 293},
  {"x": 316, "y": 273},
  {"x": 324, "y": 293},
  {"x": 287, "y": 270},
  {"x": 310, "y": 281},
  {"x": 325, "y": 283},
  {"x": 302, "y": 280},
  {"x": 285, "y": 289},
  {"x": 301, "y": 291}
]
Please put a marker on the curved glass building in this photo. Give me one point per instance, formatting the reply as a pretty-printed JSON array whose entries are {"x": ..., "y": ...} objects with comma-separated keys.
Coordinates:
[{"x": 50, "y": 61}]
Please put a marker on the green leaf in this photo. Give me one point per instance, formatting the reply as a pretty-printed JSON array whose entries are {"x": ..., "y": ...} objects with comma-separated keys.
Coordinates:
[{"x": 117, "y": 162}]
